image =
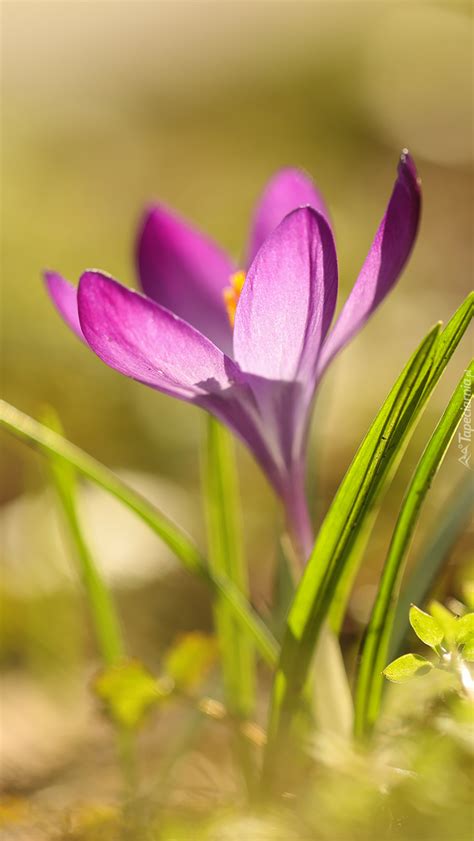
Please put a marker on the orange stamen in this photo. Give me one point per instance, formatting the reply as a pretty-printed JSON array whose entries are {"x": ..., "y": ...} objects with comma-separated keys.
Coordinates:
[{"x": 231, "y": 294}]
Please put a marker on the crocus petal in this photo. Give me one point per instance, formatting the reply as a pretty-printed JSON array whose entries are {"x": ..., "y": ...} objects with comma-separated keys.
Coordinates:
[
  {"x": 288, "y": 300},
  {"x": 145, "y": 341},
  {"x": 388, "y": 254},
  {"x": 287, "y": 190},
  {"x": 185, "y": 272},
  {"x": 64, "y": 297}
]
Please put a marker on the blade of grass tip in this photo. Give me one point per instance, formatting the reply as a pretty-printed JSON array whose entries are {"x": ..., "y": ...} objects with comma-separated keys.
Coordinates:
[
  {"x": 446, "y": 344},
  {"x": 452, "y": 522},
  {"x": 104, "y": 616},
  {"x": 450, "y": 338},
  {"x": 226, "y": 557},
  {"x": 376, "y": 640},
  {"x": 335, "y": 538},
  {"x": 49, "y": 443}
]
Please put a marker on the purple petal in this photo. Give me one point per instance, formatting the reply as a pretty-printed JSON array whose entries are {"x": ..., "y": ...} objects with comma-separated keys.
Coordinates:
[
  {"x": 185, "y": 272},
  {"x": 145, "y": 341},
  {"x": 388, "y": 254},
  {"x": 149, "y": 343},
  {"x": 288, "y": 300},
  {"x": 64, "y": 297},
  {"x": 287, "y": 190}
]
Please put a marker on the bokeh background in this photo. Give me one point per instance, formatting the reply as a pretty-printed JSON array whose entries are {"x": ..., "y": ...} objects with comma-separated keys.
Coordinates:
[{"x": 108, "y": 105}]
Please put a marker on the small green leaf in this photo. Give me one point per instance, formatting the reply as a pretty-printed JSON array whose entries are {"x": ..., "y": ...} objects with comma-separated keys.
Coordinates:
[
  {"x": 446, "y": 619},
  {"x": 427, "y": 629},
  {"x": 128, "y": 691},
  {"x": 190, "y": 659},
  {"x": 465, "y": 628},
  {"x": 465, "y": 635},
  {"x": 406, "y": 667},
  {"x": 468, "y": 650}
]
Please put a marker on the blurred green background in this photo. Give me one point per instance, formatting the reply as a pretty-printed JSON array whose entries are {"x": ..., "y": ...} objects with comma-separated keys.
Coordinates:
[{"x": 108, "y": 105}]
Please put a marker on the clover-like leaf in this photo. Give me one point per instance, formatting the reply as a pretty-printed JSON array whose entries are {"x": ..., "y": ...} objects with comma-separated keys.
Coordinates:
[
  {"x": 426, "y": 627},
  {"x": 465, "y": 628},
  {"x": 465, "y": 635},
  {"x": 406, "y": 667},
  {"x": 445, "y": 619},
  {"x": 189, "y": 660},
  {"x": 128, "y": 691},
  {"x": 468, "y": 650}
]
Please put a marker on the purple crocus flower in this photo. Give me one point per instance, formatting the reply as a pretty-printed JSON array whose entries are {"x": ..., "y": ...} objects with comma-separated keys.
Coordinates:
[{"x": 248, "y": 347}]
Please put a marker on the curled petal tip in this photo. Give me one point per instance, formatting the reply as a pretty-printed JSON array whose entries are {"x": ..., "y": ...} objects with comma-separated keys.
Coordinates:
[
  {"x": 96, "y": 273},
  {"x": 407, "y": 165},
  {"x": 64, "y": 297},
  {"x": 385, "y": 261},
  {"x": 53, "y": 281}
]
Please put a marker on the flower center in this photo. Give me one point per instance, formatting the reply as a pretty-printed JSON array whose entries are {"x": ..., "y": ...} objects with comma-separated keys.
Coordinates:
[{"x": 231, "y": 294}]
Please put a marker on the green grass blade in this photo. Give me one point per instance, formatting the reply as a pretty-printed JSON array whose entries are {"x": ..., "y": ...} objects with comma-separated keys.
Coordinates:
[
  {"x": 226, "y": 557},
  {"x": 347, "y": 519},
  {"x": 450, "y": 338},
  {"x": 446, "y": 344},
  {"x": 104, "y": 616},
  {"x": 376, "y": 640},
  {"x": 452, "y": 522},
  {"x": 50, "y": 443},
  {"x": 335, "y": 539}
]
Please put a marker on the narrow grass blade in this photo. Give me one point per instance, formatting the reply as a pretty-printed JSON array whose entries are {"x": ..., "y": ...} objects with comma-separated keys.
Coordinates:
[
  {"x": 50, "y": 443},
  {"x": 104, "y": 616},
  {"x": 376, "y": 640},
  {"x": 226, "y": 557},
  {"x": 335, "y": 539},
  {"x": 450, "y": 338},
  {"x": 452, "y": 522},
  {"x": 347, "y": 519},
  {"x": 446, "y": 344}
]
